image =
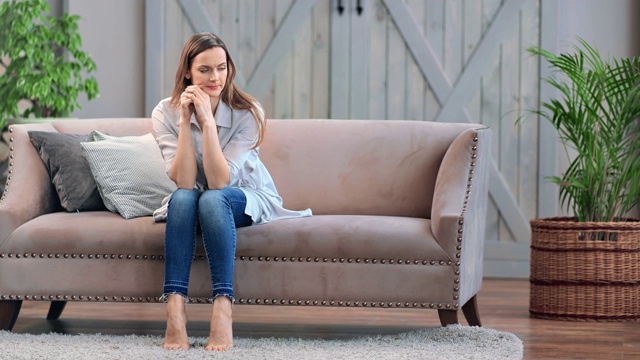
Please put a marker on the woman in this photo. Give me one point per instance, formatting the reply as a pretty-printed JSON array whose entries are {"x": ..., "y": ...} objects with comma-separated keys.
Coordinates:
[{"x": 209, "y": 132}]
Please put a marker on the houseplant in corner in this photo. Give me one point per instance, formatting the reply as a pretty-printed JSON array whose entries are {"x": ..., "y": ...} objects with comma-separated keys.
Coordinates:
[
  {"x": 587, "y": 267},
  {"x": 42, "y": 67}
]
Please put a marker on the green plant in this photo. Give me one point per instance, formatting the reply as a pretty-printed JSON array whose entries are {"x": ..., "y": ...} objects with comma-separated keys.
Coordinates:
[
  {"x": 42, "y": 61},
  {"x": 596, "y": 116}
]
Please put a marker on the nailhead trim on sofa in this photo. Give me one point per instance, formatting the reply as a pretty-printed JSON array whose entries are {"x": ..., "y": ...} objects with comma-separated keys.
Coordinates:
[
  {"x": 456, "y": 281},
  {"x": 156, "y": 299},
  {"x": 241, "y": 258},
  {"x": 11, "y": 158}
]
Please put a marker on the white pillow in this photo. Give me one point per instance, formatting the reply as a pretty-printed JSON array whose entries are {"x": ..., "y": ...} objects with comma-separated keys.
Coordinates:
[{"x": 129, "y": 173}]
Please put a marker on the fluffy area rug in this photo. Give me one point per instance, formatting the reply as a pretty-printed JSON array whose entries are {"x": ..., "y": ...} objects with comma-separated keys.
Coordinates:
[{"x": 442, "y": 343}]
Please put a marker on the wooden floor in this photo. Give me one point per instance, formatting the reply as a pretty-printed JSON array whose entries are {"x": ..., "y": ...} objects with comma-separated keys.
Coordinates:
[{"x": 503, "y": 305}]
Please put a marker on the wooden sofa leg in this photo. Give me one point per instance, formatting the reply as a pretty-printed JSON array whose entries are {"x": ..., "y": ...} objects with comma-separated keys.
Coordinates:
[
  {"x": 470, "y": 311},
  {"x": 9, "y": 310},
  {"x": 448, "y": 317},
  {"x": 55, "y": 310}
]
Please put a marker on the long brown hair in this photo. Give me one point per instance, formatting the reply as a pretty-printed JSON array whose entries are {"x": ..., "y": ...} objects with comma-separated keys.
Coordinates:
[{"x": 231, "y": 94}]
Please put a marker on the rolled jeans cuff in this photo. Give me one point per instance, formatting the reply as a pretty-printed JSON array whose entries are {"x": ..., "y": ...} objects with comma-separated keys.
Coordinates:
[
  {"x": 165, "y": 297},
  {"x": 223, "y": 290}
]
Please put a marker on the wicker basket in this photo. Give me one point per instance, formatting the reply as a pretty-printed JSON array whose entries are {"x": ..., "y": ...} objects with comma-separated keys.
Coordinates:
[{"x": 585, "y": 270}]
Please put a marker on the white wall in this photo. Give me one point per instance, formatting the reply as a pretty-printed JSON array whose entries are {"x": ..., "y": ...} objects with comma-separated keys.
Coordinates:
[
  {"x": 611, "y": 26},
  {"x": 113, "y": 34}
]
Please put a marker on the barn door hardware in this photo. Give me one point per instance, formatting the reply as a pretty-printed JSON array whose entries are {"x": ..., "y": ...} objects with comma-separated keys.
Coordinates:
[{"x": 359, "y": 8}]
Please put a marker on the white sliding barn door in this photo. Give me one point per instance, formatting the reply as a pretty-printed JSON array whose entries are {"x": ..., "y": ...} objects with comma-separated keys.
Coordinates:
[
  {"x": 280, "y": 48},
  {"x": 430, "y": 60}
]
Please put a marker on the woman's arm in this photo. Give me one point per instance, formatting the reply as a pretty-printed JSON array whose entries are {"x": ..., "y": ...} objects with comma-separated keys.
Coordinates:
[
  {"x": 216, "y": 168},
  {"x": 177, "y": 147},
  {"x": 184, "y": 167}
]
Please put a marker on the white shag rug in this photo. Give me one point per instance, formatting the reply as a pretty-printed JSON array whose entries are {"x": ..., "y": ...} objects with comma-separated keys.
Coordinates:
[{"x": 442, "y": 343}]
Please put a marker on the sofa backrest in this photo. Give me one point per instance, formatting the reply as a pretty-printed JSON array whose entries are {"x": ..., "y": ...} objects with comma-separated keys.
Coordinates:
[
  {"x": 113, "y": 126},
  {"x": 363, "y": 167},
  {"x": 341, "y": 167}
]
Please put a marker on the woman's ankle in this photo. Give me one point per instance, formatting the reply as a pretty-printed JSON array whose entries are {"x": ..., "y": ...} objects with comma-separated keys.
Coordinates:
[
  {"x": 222, "y": 303},
  {"x": 176, "y": 298}
]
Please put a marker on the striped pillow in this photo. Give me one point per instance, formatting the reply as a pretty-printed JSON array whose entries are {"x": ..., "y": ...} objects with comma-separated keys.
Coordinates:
[{"x": 129, "y": 173}]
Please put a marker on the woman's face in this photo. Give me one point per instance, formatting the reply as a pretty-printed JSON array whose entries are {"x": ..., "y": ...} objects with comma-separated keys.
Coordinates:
[{"x": 209, "y": 71}]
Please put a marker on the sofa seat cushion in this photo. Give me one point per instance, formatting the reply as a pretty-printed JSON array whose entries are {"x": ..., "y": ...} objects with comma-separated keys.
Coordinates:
[
  {"x": 343, "y": 236},
  {"x": 325, "y": 236},
  {"x": 99, "y": 232}
]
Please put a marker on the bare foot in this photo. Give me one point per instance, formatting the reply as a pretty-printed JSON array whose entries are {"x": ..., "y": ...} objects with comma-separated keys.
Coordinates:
[
  {"x": 221, "y": 332},
  {"x": 175, "y": 338}
]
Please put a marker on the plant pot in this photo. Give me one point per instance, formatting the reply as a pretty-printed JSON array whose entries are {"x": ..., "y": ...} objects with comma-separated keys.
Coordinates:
[{"x": 585, "y": 270}]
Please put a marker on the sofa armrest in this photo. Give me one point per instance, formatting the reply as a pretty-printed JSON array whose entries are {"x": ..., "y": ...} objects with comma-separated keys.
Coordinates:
[
  {"x": 28, "y": 192},
  {"x": 458, "y": 215}
]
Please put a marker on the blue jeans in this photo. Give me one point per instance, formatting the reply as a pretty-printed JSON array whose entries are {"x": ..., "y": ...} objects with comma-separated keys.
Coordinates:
[{"x": 219, "y": 213}]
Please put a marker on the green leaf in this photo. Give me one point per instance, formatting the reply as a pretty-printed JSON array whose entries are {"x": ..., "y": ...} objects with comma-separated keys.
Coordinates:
[
  {"x": 595, "y": 115},
  {"x": 47, "y": 64}
]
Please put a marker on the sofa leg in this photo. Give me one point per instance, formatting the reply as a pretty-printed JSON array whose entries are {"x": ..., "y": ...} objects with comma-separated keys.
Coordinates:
[
  {"x": 55, "y": 310},
  {"x": 470, "y": 311},
  {"x": 9, "y": 310},
  {"x": 448, "y": 317}
]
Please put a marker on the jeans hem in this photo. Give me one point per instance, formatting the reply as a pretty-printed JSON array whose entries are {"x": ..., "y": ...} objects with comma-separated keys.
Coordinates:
[
  {"x": 165, "y": 297},
  {"x": 230, "y": 296}
]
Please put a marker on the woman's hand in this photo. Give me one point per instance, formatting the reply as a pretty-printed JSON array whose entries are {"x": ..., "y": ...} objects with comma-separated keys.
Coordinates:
[
  {"x": 201, "y": 104},
  {"x": 186, "y": 108}
]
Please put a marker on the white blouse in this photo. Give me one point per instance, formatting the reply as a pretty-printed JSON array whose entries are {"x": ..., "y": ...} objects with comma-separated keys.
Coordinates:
[{"x": 237, "y": 133}]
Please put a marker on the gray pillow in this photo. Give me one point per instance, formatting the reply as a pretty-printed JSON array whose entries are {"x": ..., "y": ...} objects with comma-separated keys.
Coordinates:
[
  {"x": 129, "y": 172},
  {"x": 68, "y": 169}
]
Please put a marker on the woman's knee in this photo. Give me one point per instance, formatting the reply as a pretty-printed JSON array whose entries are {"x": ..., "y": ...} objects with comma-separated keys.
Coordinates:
[
  {"x": 220, "y": 203},
  {"x": 184, "y": 198},
  {"x": 212, "y": 200}
]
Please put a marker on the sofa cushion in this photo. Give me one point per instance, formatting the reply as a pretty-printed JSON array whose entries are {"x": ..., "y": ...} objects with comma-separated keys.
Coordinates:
[
  {"x": 68, "y": 170},
  {"x": 98, "y": 232},
  {"x": 343, "y": 236},
  {"x": 129, "y": 172},
  {"x": 324, "y": 236}
]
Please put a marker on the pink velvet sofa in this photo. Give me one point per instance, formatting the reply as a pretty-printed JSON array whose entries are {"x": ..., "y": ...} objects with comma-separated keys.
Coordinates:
[{"x": 399, "y": 218}]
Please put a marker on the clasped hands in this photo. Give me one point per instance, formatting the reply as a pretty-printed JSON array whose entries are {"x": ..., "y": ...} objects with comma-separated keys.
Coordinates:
[{"x": 195, "y": 100}]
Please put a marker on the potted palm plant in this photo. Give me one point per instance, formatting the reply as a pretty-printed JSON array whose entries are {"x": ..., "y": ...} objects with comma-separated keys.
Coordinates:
[
  {"x": 42, "y": 67},
  {"x": 585, "y": 267}
]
